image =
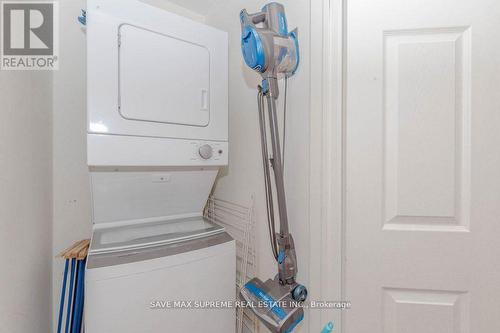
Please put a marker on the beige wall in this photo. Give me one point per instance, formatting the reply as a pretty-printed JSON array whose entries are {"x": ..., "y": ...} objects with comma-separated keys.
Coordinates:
[{"x": 25, "y": 201}]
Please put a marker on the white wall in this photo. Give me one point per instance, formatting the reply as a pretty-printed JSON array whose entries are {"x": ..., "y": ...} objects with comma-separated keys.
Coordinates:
[
  {"x": 71, "y": 203},
  {"x": 244, "y": 175},
  {"x": 179, "y": 9},
  {"x": 25, "y": 201}
]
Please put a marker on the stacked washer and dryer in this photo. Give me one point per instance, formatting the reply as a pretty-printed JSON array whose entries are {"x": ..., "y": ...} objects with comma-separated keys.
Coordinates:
[{"x": 157, "y": 136}]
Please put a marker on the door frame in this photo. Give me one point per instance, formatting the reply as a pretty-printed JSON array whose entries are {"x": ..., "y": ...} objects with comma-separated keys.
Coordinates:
[{"x": 327, "y": 187}]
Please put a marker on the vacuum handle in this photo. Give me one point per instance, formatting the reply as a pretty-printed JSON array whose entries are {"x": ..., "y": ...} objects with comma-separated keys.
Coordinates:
[
  {"x": 258, "y": 17},
  {"x": 254, "y": 18}
]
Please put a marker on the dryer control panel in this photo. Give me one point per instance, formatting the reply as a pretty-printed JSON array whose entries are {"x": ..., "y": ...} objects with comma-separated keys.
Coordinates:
[{"x": 213, "y": 151}]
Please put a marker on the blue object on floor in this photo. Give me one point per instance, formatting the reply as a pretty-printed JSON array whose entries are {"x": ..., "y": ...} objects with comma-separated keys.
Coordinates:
[
  {"x": 70, "y": 295},
  {"x": 73, "y": 301},
  {"x": 328, "y": 328},
  {"x": 63, "y": 294},
  {"x": 78, "y": 306}
]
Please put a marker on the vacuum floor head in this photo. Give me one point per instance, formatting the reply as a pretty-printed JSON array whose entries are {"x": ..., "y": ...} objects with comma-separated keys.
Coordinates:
[{"x": 273, "y": 304}]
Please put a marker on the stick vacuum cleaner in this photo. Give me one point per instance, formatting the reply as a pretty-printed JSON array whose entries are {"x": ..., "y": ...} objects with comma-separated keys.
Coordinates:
[{"x": 273, "y": 52}]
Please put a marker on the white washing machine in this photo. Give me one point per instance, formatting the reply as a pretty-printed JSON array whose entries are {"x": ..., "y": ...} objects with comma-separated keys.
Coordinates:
[
  {"x": 157, "y": 136},
  {"x": 152, "y": 278}
]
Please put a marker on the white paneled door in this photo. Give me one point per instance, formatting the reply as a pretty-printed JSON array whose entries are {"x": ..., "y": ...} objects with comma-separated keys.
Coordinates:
[{"x": 422, "y": 170}]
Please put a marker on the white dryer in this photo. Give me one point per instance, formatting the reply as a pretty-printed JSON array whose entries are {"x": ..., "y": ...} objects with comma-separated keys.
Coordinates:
[
  {"x": 157, "y": 136},
  {"x": 155, "y": 80}
]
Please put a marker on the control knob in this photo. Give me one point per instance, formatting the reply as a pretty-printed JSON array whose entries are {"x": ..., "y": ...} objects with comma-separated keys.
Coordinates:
[{"x": 205, "y": 152}]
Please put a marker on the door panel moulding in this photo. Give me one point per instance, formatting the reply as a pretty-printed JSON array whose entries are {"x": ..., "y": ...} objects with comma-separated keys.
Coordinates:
[{"x": 326, "y": 156}]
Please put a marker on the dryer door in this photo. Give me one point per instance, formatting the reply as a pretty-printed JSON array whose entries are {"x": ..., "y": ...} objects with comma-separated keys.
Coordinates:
[
  {"x": 176, "y": 89},
  {"x": 152, "y": 73}
]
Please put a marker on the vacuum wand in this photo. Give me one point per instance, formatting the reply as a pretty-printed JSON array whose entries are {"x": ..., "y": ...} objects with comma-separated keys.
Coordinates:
[
  {"x": 277, "y": 164},
  {"x": 286, "y": 257}
]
